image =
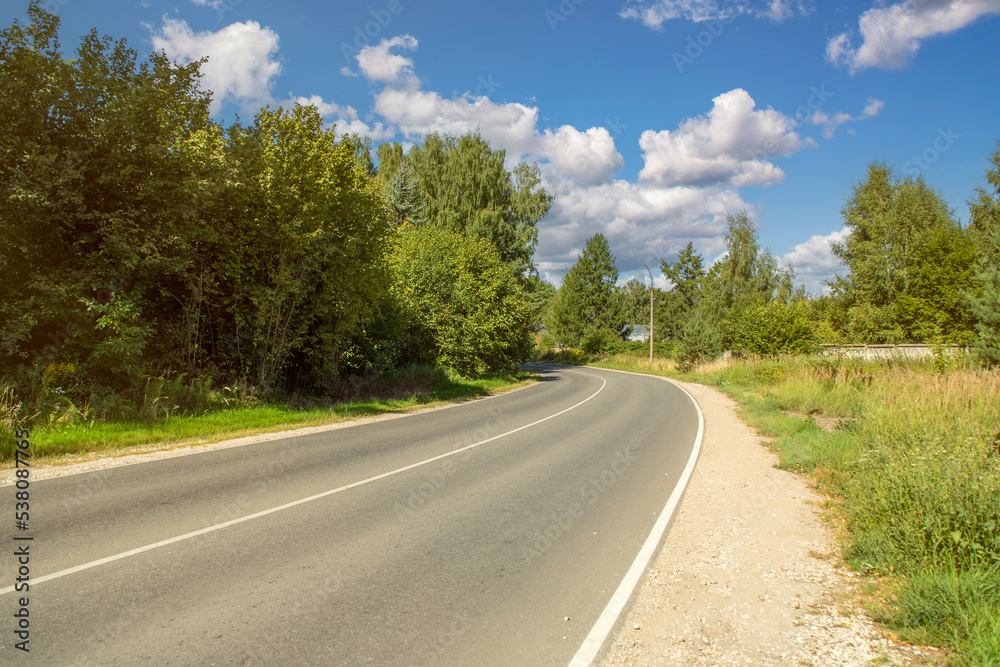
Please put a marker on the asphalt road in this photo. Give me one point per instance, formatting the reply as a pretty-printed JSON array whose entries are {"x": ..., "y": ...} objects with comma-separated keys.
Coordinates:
[{"x": 415, "y": 541}]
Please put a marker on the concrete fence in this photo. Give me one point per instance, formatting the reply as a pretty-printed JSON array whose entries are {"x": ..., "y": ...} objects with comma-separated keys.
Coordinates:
[{"x": 876, "y": 352}]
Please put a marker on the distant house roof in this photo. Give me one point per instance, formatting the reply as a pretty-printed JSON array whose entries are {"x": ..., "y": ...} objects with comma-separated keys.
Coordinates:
[{"x": 637, "y": 332}]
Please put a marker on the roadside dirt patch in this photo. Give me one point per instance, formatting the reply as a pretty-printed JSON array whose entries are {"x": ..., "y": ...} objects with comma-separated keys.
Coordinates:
[
  {"x": 828, "y": 424},
  {"x": 749, "y": 574}
]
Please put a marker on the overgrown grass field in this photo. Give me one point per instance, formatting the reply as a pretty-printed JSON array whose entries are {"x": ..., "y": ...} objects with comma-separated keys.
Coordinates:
[{"x": 910, "y": 456}]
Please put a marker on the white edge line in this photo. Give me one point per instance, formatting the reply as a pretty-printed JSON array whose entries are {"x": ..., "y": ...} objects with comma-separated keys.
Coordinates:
[
  {"x": 606, "y": 622},
  {"x": 301, "y": 501}
]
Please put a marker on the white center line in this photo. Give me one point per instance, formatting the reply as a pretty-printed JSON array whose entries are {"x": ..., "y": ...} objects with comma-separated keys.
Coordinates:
[{"x": 294, "y": 503}]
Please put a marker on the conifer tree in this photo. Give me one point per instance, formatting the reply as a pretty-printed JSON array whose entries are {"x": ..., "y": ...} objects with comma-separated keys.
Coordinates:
[
  {"x": 985, "y": 301},
  {"x": 588, "y": 300}
]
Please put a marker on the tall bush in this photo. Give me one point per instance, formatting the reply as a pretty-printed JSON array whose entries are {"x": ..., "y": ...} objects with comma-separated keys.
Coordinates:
[
  {"x": 773, "y": 329},
  {"x": 463, "y": 301}
]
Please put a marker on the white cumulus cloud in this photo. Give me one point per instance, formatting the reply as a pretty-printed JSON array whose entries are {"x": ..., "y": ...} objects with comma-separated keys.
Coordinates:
[
  {"x": 891, "y": 35},
  {"x": 643, "y": 223},
  {"x": 241, "y": 65},
  {"x": 654, "y": 13},
  {"x": 589, "y": 157},
  {"x": 345, "y": 118},
  {"x": 688, "y": 186},
  {"x": 730, "y": 146},
  {"x": 378, "y": 63},
  {"x": 686, "y": 190},
  {"x": 814, "y": 261},
  {"x": 327, "y": 109},
  {"x": 830, "y": 122}
]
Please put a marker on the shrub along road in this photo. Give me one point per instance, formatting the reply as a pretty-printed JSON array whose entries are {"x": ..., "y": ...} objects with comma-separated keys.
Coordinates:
[{"x": 493, "y": 532}]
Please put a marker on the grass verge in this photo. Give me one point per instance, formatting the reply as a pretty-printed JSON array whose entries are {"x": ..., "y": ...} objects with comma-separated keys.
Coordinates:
[
  {"x": 910, "y": 455},
  {"x": 53, "y": 441}
]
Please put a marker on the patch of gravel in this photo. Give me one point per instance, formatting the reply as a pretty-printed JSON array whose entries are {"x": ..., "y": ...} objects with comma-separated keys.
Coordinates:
[{"x": 749, "y": 574}]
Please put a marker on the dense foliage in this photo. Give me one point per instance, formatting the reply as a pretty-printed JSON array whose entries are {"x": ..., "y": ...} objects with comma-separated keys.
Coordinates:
[
  {"x": 139, "y": 239},
  {"x": 466, "y": 307},
  {"x": 985, "y": 301},
  {"x": 910, "y": 263},
  {"x": 913, "y": 275},
  {"x": 461, "y": 184},
  {"x": 589, "y": 300}
]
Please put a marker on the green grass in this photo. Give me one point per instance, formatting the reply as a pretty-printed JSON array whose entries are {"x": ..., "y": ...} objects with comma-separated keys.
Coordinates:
[
  {"x": 957, "y": 608},
  {"x": 56, "y": 439},
  {"x": 910, "y": 457}
]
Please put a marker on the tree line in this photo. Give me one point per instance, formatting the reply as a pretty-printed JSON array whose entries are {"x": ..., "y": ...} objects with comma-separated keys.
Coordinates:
[
  {"x": 140, "y": 238},
  {"x": 914, "y": 274}
]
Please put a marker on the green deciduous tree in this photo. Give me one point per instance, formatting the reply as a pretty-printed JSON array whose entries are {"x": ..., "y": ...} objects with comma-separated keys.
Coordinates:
[
  {"x": 301, "y": 241},
  {"x": 138, "y": 238},
  {"x": 746, "y": 278},
  {"x": 540, "y": 295},
  {"x": 466, "y": 187},
  {"x": 635, "y": 302},
  {"x": 143, "y": 238},
  {"x": 99, "y": 198},
  {"x": 750, "y": 274},
  {"x": 909, "y": 261},
  {"x": 588, "y": 299},
  {"x": 466, "y": 305}
]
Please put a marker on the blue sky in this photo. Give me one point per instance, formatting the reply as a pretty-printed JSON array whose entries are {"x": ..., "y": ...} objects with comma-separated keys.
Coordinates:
[{"x": 650, "y": 119}]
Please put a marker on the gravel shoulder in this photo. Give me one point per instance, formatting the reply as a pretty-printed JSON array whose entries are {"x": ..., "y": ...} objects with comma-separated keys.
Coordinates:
[{"x": 749, "y": 573}]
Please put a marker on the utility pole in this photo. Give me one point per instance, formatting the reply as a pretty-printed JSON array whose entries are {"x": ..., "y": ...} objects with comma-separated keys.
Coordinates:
[{"x": 650, "y": 315}]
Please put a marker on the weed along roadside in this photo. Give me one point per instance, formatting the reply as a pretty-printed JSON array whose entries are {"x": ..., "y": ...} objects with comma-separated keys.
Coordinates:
[
  {"x": 71, "y": 440},
  {"x": 908, "y": 456}
]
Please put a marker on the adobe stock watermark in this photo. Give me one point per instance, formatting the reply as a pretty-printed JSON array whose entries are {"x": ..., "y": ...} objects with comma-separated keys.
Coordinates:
[
  {"x": 432, "y": 483},
  {"x": 120, "y": 620},
  {"x": 85, "y": 488},
  {"x": 697, "y": 44},
  {"x": 944, "y": 140},
  {"x": 436, "y": 646},
  {"x": 435, "y": 480},
  {"x": 223, "y": 7},
  {"x": 559, "y": 523},
  {"x": 817, "y": 98},
  {"x": 562, "y": 13},
  {"x": 316, "y": 595},
  {"x": 241, "y": 504},
  {"x": 486, "y": 86},
  {"x": 615, "y": 126},
  {"x": 363, "y": 35}
]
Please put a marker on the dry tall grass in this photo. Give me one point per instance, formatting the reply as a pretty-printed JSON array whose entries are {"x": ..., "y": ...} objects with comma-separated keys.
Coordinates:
[
  {"x": 919, "y": 480},
  {"x": 640, "y": 363}
]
